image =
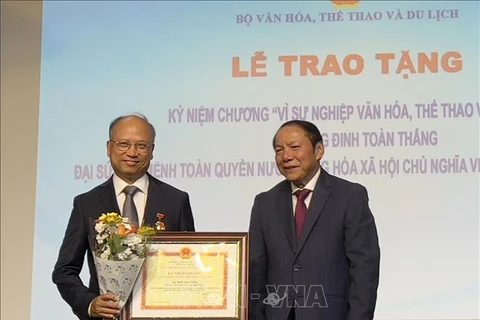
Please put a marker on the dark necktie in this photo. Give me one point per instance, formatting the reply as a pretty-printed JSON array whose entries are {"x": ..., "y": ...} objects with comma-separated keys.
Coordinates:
[
  {"x": 300, "y": 211},
  {"x": 129, "y": 209}
]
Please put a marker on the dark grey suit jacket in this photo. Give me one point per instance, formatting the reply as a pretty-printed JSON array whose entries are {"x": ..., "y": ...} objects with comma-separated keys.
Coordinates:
[
  {"x": 332, "y": 273},
  {"x": 162, "y": 198}
]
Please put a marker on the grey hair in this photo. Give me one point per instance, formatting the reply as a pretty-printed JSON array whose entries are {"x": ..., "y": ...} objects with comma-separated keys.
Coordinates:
[{"x": 136, "y": 114}]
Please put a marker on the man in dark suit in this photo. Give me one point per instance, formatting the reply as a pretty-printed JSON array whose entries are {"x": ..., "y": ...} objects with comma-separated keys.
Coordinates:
[
  {"x": 316, "y": 257},
  {"x": 130, "y": 149}
]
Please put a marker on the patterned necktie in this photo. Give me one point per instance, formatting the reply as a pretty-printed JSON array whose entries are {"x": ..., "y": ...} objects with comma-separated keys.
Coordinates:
[
  {"x": 300, "y": 211},
  {"x": 129, "y": 209}
]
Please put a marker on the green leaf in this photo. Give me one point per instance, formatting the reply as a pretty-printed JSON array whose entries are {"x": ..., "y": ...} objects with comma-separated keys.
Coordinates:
[
  {"x": 111, "y": 246},
  {"x": 117, "y": 243}
]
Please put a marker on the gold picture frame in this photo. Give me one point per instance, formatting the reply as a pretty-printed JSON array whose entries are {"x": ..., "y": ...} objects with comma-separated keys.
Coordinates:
[{"x": 192, "y": 275}]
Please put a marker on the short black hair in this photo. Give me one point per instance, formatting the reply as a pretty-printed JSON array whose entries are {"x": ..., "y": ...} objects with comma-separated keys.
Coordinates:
[
  {"x": 118, "y": 119},
  {"x": 310, "y": 129}
]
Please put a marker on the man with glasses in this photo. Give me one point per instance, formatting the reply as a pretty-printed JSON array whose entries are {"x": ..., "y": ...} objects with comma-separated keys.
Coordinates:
[{"x": 130, "y": 149}]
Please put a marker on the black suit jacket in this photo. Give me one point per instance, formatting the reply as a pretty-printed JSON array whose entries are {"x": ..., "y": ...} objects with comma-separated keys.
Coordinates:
[
  {"x": 80, "y": 233},
  {"x": 332, "y": 272}
]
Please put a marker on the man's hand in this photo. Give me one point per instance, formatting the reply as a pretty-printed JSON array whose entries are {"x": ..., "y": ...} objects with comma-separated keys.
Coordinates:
[{"x": 105, "y": 306}]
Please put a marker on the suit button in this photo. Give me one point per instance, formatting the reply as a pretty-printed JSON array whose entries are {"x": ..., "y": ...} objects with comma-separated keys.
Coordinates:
[{"x": 296, "y": 267}]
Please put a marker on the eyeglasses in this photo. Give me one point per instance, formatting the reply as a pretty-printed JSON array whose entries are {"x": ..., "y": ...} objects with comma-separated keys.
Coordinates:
[{"x": 126, "y": 145}]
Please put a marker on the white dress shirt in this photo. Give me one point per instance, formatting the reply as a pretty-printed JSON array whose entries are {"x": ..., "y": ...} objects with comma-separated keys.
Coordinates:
[
  {"x": 139, "y": 198},
  {"x": 310, "y": 186}
]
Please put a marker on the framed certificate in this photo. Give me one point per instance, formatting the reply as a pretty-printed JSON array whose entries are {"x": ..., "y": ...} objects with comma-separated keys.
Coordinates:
[{"x": 193, "y": 275}]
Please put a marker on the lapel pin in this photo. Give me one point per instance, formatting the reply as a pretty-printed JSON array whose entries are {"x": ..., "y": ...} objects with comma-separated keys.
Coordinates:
[{"x": 160, "y": 225}]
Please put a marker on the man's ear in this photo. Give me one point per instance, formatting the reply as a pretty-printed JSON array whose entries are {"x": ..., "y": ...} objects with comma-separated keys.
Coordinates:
[
  {"x": 153, "y": 148},
  {"x": 319, "y": 151},
  {"x": 108, "y": 148}
]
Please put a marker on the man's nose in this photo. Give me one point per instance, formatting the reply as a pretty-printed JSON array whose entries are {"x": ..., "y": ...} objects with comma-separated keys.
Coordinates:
[
  {"x": 287, "y": 155},
  {"x": 132, "y": 151}
]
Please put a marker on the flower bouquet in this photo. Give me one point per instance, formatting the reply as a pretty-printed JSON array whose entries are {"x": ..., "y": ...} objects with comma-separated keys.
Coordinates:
[{"x": 120, "y": 251}]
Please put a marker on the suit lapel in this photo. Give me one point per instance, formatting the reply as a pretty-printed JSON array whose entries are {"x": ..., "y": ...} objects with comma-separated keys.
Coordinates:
[
  {"x": 319, "y": 199},
  {"x": 108, "y": 197},
  {"x": 154, "y": 197},
  {"x": 285, "y": 211}
]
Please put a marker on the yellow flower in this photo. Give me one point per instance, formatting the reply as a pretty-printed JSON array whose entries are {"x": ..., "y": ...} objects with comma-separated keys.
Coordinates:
[
  {"x": 146, "y": 231},
  {"x": 111, "y": 218}
]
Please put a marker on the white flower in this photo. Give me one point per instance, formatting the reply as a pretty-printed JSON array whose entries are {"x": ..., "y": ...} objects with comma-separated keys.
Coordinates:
[
  {"x": 132, "y": 239},
  {"x": 127, "y": 251},
  {"x": 100, "y": 227},
  {"x": 101, "y": 238},
  {"x": 124, "y": 255},
  {"x": 105, "y": 253}
]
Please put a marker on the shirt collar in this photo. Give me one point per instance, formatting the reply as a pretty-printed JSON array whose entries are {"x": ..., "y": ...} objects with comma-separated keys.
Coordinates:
[
  {"x": 119, "y": 184},
  {"x": 310, "y": 185}
]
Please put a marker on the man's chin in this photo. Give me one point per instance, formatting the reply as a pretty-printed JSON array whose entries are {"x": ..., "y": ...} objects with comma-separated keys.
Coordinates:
[
  {"x": 291, "y": 177},
  {"x": 130, "y": 173}
]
